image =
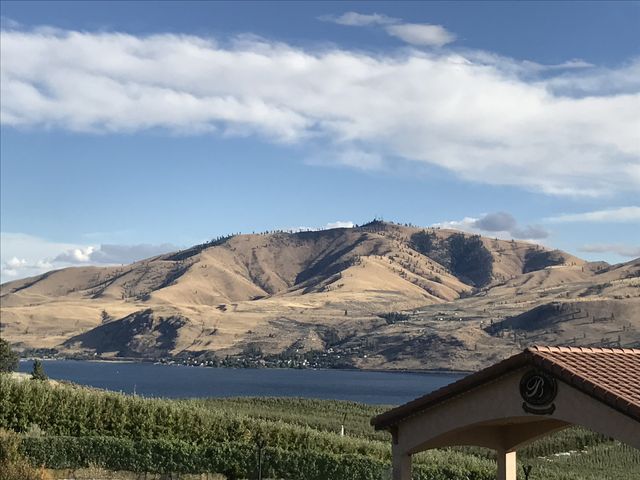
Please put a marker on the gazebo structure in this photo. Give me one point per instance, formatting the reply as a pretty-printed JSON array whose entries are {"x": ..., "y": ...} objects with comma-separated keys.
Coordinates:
[{"x": 523, "y": 398}]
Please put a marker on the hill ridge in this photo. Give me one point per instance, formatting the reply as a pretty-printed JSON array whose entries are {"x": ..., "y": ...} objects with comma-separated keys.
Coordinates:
[{"x": 234, "y": 292}]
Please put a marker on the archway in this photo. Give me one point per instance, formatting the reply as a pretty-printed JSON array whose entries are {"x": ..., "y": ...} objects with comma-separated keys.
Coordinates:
[{"x": 512, "y": 403}]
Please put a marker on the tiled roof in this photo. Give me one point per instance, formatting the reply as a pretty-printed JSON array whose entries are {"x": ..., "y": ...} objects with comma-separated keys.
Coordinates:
[{"x": 611, "y": 375}]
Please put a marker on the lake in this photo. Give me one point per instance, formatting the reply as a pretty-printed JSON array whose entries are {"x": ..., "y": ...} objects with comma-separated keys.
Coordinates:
[{"x": 178, "y": 381}]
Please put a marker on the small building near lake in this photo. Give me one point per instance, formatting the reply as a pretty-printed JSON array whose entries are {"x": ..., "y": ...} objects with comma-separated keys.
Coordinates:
[{"x": 521, "y": 399}]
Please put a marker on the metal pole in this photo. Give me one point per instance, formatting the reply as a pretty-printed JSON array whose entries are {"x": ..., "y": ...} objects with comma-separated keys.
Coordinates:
[{"x": 260, "y": 443}]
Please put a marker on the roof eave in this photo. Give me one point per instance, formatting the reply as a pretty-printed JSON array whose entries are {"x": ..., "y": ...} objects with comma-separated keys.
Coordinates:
[{"x": 396, "y": 415}]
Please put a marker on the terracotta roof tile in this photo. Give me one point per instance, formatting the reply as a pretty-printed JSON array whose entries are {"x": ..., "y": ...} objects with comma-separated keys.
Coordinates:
[{"x": 611, "y": 375}]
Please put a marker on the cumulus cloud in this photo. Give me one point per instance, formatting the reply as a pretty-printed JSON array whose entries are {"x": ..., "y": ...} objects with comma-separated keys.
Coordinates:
[
  {"x": 465, "y": 225},
  {"x": 113, "y": 254},
  {"x": 496, "y": 222},
  {"x": 482, "y": 117},
  {"x": 617, "y": 248},
  {"x": 421, "y": 34},
  {"x": 531, "y": 232},
  {"x": 339, "y": 224},
  {"x": 76, "y": 255},
  {"x": 500, "y": 224},
  {"x": 27, "y": 255},
  {"x": 16, "y": 268},
  {"x": 328, "y": 226},
  {"x": 16, "y": 262},
  {"x": 613, "y": 215},
  {"x": 505, "y": 222},
  {"x": 24, "y": 255}
]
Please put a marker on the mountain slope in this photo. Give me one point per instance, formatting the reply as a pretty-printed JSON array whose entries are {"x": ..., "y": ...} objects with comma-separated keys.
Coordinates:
[{"x": 308, "y": 291}]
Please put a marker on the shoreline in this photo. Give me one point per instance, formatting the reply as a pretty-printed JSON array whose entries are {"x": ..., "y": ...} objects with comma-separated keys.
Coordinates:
[{"x": 156, "y": 362}]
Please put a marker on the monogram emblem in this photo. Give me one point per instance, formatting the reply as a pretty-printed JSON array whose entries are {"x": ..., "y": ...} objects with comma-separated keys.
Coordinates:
[{"x": 538, "y": 390}]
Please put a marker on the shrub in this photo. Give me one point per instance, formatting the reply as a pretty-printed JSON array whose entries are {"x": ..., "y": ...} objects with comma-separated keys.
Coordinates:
[
  {"x": 535, "y": 259},
  {"x": 394, "y": 317},
  {"x": 8, "y": 358},
  {"x": 13, "y": 466},
  {"x": 422, "y": 242},
  {"x": 38, "y": 371},
  {"x": 231, "y": 458},
  {"x": 470, "y": 259}
]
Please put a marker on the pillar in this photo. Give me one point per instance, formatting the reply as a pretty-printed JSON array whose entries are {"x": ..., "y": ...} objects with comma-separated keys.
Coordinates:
[
  {"x": 401, "y": 466},
  {"x": 507, "y": 468},
  {"x": 401, "y": 460}
]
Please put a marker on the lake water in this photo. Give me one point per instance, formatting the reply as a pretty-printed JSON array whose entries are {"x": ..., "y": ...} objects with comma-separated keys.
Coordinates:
[{"x": 177, "y": 381}]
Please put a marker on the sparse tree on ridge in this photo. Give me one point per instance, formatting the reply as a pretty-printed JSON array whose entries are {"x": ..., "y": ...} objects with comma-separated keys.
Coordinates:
[{"x": 105, "y": 317}]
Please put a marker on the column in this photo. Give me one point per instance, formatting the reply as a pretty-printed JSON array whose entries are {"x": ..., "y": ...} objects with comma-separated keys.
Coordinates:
[
  {"x": 507, "y": 467},
  {"x": 401, "y": 466}
]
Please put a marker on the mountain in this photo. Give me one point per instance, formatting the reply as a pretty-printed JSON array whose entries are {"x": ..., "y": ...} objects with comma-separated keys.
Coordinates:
[{"x": 381, "y": 295}]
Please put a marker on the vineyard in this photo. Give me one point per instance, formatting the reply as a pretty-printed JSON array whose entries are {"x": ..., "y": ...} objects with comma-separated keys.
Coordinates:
[{"x": 67, "y": 426}]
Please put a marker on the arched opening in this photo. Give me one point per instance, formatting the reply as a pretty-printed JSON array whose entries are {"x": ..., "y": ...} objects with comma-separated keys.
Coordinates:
[{"x": 513, "y": 403}]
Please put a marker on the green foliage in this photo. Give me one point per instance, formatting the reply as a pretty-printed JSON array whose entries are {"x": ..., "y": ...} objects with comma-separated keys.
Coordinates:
[
  {"x": 394, "y": 317},
  {"x": 9, "y": 446},
  {"x": 71, "y": 411},
  {"x": 8, "y": 358},
  {"x": 322, "y": 415},
  {"x": 38, "y": 371},
  {"x": 66, "y": 426},
  {"x": 13, "y": 465},
  {"x": 563, "y": 441},
  {"x": 164, "y": 456},
  {"x": 470, "y": 260},
  {"x": 535, "y": 259},
  {"x": 423, "y": 242},
  {"x": 236, "y": 460},
  {"x": 605, "y": 461},
  {"x": 85, "y": 424}
]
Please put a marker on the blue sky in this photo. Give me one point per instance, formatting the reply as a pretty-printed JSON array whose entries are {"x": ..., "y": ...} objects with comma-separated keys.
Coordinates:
[{"x": 132, "y": 128}]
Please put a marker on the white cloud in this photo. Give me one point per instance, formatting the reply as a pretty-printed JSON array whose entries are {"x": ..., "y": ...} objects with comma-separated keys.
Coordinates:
[
  {"x": 14, "y": 266},
  {"x": 613, "y": 215},
  {"x": 499, "y": 224},
  {"x": 576, "y": 63},
  {"x": 354, "y": 19},
  {"x": 625, "y": 79},
  {"x": 328, "y": 226},
  {"x": 25, "y": 265},
  {"x": 465, "y": 225},
  {"x": 616, "y": 248},
  {"x": 421, "y": 34},
  {"x": 113, "y": 254},
  {"x": 485, "y": 118},
  {"x": 76, "y": 255},
  {"x": 28, "y": 249},
  {"x": 505, "y": 222},
  {"x": 25, "y": 255},
  {"x": 339, "y": 224},
  {"x": 16, "y": 262}
]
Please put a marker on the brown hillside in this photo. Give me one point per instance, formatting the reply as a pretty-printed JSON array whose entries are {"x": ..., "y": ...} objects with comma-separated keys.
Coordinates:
[{"x": 313, "y": 291}]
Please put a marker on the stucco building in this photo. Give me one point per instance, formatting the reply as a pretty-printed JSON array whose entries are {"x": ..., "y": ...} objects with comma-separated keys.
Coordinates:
[{"x": 516, "y": 401}]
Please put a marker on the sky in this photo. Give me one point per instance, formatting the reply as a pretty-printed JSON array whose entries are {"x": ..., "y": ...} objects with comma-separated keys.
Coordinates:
[{"x": 130, "y": 129}]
